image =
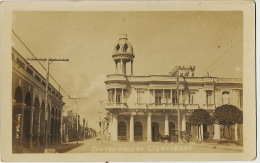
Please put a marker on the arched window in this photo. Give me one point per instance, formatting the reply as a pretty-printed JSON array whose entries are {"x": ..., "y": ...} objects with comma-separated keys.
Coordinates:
[
  {"x": 174, "y": 96},
  {"x": 42, "y": 128},
  {"x": 125, "y": 48},
  {"x": 138, "y": 131},
  {"x": 117, "y": 47},
  {"x": 118, "y": 98},
  {"x": 209, "y": 97},
  {"x": 36, "y": 103},
  {"x": 225, "y": 97},
  {"x": 28, "y": 100},
  {"x": 171, "y": 129},
  {"x": 18, "y": 96},
  {"x": 155, "y": 131},
  {"x": 158, "y": 97},
  {"x": 121, "y": 131},
  {"x": 52, "y": 110},
  {"x": 140, "y": 97}
]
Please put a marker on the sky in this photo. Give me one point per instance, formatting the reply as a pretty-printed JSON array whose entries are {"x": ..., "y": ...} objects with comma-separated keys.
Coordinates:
[{"x": 211, "y": 41}]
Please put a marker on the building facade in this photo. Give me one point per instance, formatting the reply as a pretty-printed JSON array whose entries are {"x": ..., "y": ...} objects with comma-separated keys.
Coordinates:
[
  {"x": 28, "y": 97},
  {"x": 71, "y": 129},
  {"x": 142, "y": 107}
]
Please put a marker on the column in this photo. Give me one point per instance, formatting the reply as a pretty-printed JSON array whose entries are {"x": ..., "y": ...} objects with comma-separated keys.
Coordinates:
[
  {"x": 31, "y": 127},
  {"x": 153, "y": 95},
  {"x": 216, "y": 132},
  {"x": 180, "y": 101},
  {"x": 166, "y": 125},
  {"x": 131, "y": 128},
  {"x": 183, "y": 123},
  {"x": 49, "y": 129},
  {"x": 163, "y": 97},
  {"x": 235, "y": 132},
  {"x": 171, "y": 97},
  {"x": 131, "y": 68},
  {"x": 115, "y": 96},
  {"x": 114, "y": 135},
  {"x": 116, "y": 68},
  {"x": 39, "y": 128},
  {"x": 122, "y": 96},
  {"x": 201, "y": 133},
  {"x": 121, "y": 65},
  {"x": 149, "y": 128}
]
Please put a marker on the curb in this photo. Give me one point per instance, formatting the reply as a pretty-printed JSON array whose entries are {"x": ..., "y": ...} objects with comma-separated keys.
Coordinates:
[{"x": 218, "y": 146}]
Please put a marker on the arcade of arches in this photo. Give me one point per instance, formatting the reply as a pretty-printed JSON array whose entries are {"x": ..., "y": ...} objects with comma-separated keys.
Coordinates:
[
  {"x": 29, "y": 121},
  {"x": 144, "y": 127},
  {"x": 29, "y": 107}
]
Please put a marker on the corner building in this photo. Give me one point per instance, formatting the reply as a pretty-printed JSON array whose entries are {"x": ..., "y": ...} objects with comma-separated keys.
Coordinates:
[
  {"x": 29, "y": 127},
  {"x": 142, "y": 107}
]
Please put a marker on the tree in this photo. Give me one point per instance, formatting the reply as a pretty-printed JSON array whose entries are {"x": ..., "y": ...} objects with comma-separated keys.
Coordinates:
[
  {"x": 200, "y": 117},
  {"x": 228, "y": 115}
]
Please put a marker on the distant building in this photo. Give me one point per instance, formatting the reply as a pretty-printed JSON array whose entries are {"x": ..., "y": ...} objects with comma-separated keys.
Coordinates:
[
  {"x": 144, "y": 106},
  {"x": 72, "y": 129},
  {"x": 28, "y": 97}
]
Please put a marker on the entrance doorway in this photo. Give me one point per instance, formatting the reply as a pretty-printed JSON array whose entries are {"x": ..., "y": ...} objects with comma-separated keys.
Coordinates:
[
  {"x": 138, "y": 131},
  {"x": 121, "y": 131},
  {"x": 172, "y": 131},
  {"x": 155, "y": 131},
  {"x": 205, "y": 132}
]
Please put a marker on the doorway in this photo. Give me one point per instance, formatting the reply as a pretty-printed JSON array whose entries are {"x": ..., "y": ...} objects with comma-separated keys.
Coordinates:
[{"x": 155, "y": 131}]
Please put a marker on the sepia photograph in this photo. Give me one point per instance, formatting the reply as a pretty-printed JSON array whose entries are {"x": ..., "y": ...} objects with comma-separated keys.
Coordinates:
[{"x": 104, "y": 81}]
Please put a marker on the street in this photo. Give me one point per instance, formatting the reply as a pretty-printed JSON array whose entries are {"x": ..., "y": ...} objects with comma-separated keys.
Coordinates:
[{"x": 91, "y": 145}]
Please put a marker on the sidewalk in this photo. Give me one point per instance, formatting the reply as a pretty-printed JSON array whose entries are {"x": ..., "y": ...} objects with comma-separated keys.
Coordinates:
[
  {"x": 219, "y": 146},
  {"x": 54, "y": 148}
]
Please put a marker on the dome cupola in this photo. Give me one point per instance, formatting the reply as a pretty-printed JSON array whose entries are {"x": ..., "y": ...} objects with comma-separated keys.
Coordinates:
[
  {"x": 123, "y": 47},
  {"x": 123, "y": 53}
]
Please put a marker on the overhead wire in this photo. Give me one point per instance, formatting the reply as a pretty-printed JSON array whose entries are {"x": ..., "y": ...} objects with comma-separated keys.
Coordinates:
[
  {"x": 225, "y": 59},
  {"x": 212, "y": 65},
  {"x": 39, "y": 62}
]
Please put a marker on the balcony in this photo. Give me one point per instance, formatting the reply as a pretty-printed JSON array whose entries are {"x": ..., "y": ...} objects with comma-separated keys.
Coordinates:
[
  {"x": 192, "y": 106},
  {"x": 141, "y": 105},
  {"x": 116, "y": 105},
  {"x": 229, "y": 80},
  {"x": 209, "y": 106},
  {"x": 165, "y": 106}
]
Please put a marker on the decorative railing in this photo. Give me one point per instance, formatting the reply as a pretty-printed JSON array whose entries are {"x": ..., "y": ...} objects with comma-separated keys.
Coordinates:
[
  {"x": 192, "y": 106},
  {"x": 165, "y": 106},
  {"x": 141, "y": 105},
  {"x": 161, "y": 106},
  {"x": 209, "y": 106},
  {"x": 116, "y": 105},
  {"x": 229, "y": 80}
]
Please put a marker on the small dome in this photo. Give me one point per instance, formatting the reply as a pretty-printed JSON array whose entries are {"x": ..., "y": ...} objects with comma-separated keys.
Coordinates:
[{"x": 123, "y": 46}]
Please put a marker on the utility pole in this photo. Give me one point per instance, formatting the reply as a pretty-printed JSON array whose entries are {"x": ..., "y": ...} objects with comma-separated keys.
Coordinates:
[
  {"x": 175, "y": 72},
  {"x": 49, "y": 61},
  {"x": 77, "y": 134},
  {"x": 101, "y": 119},
  {"x": 179, "y": 120}
]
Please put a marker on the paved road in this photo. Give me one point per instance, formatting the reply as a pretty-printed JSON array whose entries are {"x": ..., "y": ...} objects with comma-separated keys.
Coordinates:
[{"x": 91, "y": 145}]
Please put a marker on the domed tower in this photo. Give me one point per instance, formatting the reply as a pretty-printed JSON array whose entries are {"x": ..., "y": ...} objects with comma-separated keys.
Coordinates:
[{"x": 123, "y": 53}]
